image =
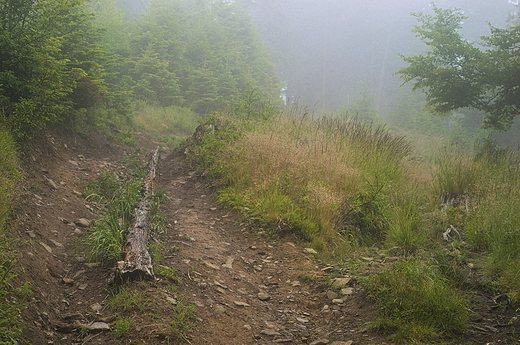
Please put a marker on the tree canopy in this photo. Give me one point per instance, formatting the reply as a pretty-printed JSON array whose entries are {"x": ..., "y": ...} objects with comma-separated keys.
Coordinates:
[
  {"x": 62, "y": 59},
  {"x": 455, "y": 73}
]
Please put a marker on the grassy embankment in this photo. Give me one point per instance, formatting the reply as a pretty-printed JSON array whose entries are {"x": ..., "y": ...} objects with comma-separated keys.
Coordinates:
[
  {"x": 347, "y": 188},
  {"x": 12, "y": 299}
]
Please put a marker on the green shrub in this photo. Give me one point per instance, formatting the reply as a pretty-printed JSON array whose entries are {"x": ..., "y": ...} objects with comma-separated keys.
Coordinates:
[
  {"x": 12, "y": 300},
  {"x": 105, "y": 239},
  {"x": 182, "y": 313},
  {"x": 416, "y": 301},
  {"x": 126, "y": 300},
  {"x": 405, "y": 229},
  {"x": 122, "y": 326}
]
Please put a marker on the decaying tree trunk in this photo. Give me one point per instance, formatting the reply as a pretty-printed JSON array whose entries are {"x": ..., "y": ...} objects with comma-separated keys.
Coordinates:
[{"x": 138, "y": 262}]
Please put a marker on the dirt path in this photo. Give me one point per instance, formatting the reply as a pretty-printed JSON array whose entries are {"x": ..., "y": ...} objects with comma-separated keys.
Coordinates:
[{"x": 247, "y": 288}]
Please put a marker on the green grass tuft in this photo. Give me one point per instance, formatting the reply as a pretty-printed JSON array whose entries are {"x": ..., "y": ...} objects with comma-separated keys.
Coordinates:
[
  {"x": 416, "y": 301},
  {"x": 105, "y": 239}
]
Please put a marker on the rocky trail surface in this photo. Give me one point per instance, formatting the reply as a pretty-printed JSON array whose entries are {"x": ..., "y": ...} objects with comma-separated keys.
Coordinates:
[{"x": 247, "y": 288}]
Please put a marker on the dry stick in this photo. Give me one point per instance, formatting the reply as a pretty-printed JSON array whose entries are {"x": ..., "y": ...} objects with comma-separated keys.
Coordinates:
[{"x": 138, "y": 262}]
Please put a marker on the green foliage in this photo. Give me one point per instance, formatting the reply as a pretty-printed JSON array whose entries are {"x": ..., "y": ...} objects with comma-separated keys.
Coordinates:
[
  {"x": 182, "y": 313},
  {"x": 126, "y": 300},
  {"x": 49, "y": 63},
  {"x": 199, "y": 56},
  {"x": 416, "y": 302},
  {"x": 105, "y": 238},
  {"x": 122, "y": 326},
  {"x": 455, "y": 174},
  {"x": 362, "y": 216},
  {"x": 405, "y": 228},
  {"x": 12, "y": 299},
  {"x": 455, "y": 74},
  {"x": 327, "y": 180},
  {"x": 104, "y": 188},
  {"x": 169, "y": 125}
]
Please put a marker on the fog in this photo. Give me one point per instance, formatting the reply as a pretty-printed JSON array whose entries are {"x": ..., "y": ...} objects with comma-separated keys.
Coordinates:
[{"x": 330, "y": 51}]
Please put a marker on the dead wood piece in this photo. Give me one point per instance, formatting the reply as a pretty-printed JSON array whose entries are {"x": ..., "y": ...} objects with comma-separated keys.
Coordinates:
[{"x": 138, "y": 262}]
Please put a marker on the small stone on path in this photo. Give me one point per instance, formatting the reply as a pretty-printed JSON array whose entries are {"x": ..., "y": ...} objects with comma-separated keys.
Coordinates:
[
  {"x": 347, "y": 291},
  {"x": 320, "y": 342},
  {"x": 331, "y": 295},
  {"x": 241, "y": 304},
  {"x": 52, "y": 183},
  {"x": 68, "y": 281},
  {"x": 350, "y": 342},
  {"x": 218, "y": 309},
  {"x": 171, "y": 300},
  {"x": 82, "y": 222},
  {"x": 96, "y": 307},
  {"x": 310, "y": 251},
  {"x": 262, "y": 296},
  {"x": 341, "y": 281},
  {"x": 47, "y": 248},
  {"x": 99, "y": 326},
  {"x": 210, "y": 265},
  {"x": 270, "y": 332},
  {"x": 57, "y": 244},
  {"x": 229, "y": 263}
]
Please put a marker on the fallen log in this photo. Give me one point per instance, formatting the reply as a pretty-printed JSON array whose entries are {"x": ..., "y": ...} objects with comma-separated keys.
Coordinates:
[{"x": 138, "y": 262}]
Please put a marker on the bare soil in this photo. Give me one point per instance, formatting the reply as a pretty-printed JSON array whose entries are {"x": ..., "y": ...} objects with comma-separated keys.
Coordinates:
[{"x": 247, "y": 287}]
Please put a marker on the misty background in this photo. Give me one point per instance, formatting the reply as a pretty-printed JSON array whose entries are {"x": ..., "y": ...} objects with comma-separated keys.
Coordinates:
[{"x": 333, "y": 52}]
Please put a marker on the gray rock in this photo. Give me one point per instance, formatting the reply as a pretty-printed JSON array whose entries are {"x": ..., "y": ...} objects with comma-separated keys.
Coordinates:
[
  {"x": 96, "y": 307},
  {"x": 229, "y": 263},
  {"x": 391, "y": 259},
  {"x": 52, "y": 184},
  {"x": 171, "y": 300},
  {"x": 320, "y": 342},
  {"x": 219, "y": 309},
  {"x": 310, "y": 251},
  {"x": 47, "y": 248},
  {"x": 350, "y": 342},
  {"x": 331, "y": 295},
  {"x": 82, "y": 222},
  {"x": 338, "y": 301},
  {"x": 57, "y": 244},
  {"x": 262, "y": 296},
  {"x": 270, "y": 332},
  {"x": 341, "y": 281},
  {"x": 212, "y": 266},
  {"x": 241, "y": 304},
  {"x": 347, "y": 291},
  {"x": 99, "y": 326},
  {"x": 68, "y": 281}
]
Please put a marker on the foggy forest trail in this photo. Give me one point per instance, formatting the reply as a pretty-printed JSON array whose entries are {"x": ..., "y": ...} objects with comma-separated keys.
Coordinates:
[{"x": 247, "y": 288}]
